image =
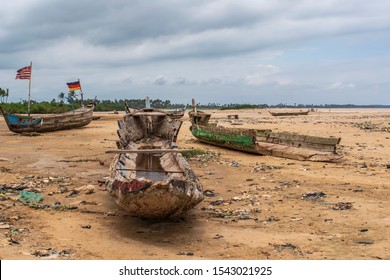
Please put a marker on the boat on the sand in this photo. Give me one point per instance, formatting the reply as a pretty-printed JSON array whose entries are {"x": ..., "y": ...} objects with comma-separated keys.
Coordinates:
[
  {"x": 264, "y": 141},
  {"x": 177, "y": 113},
  {"x": 289, "y": 113},
  {"x": 149, "y": 177},
  {"x": 68, "y": 120},
  {"x": 173, "y": 114}
]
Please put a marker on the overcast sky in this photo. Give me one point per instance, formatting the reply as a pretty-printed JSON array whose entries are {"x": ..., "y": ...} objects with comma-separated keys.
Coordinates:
[{"x": 226, "y": 51}]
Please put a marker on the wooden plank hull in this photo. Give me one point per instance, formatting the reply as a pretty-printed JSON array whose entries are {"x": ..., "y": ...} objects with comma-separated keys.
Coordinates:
[
  {"x": 152, "y": 185},
  {"x": 176, "y": 114},
  {"x": 68, "y": 120},
  {"x": 289, "y": 113},
  {"x": 266, "y": 142},
  {"x": 154, "y": 197}
]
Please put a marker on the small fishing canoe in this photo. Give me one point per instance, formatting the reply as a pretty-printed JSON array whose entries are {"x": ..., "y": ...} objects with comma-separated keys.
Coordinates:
[
  {"x": 289, "y": 113},
  {"x": 68, "y": 120}
]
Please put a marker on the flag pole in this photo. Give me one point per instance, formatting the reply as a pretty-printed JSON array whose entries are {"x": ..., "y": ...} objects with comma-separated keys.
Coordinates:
[
  {"x": 81, "y": 93},
  {"x": 29, "y": 90}
]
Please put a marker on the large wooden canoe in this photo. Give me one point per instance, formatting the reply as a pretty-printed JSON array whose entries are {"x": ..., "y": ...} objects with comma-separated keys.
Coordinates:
[
  {"x": 289, "y": 113},
  {"x": 67, "y": 120},
  {"x": 149, "y": 177},
  {"x": 264, "y": 141}
]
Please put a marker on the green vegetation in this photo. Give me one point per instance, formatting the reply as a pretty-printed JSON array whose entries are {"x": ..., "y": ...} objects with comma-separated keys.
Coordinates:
[
  {"x": 100, "y": 105},
  {"x": 61, "y": 105},
  {"x": 243, "y": 141},
  {"x": 119, "y": 105},
  {"x": 37, "y": 108},
  {"x": 193, "y": 153},
  {"x": 64, "y": 207}
]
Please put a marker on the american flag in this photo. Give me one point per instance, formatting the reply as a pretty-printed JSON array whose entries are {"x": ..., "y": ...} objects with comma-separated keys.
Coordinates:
[{"x": 24, "y": 73}]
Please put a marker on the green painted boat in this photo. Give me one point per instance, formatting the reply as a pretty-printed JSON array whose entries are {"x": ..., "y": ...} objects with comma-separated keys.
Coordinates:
[{"x": 264, "y": 141}]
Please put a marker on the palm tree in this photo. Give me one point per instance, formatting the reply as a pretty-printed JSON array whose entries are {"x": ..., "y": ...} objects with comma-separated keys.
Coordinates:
[
  {"x": 61, "y": 97},
  {"x": 2, "y": 94},
  {"x": 72, "y": 97}
]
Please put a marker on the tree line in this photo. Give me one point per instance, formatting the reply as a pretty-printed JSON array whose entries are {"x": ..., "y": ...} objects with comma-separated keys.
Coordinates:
[{"x": 71, "y": 101}]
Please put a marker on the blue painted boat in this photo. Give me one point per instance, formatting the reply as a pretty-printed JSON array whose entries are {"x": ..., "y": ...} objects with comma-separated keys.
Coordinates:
[{"x": 67, "y": 120}]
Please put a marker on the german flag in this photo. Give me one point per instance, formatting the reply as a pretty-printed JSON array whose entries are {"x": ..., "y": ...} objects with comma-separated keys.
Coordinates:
[{"x": 74, "y": 85}]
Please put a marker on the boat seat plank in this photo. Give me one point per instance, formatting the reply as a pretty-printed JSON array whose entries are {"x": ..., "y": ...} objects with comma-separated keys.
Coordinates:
[{"x": 150, "y": 170}]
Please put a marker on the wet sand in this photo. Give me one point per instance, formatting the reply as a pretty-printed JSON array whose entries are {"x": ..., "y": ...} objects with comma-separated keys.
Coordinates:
[{"x": 261, "y": 208}]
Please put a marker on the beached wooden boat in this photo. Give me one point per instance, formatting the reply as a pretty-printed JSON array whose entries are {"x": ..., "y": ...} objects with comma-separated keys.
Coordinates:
[
  {"x": 173, "y": 114},
  {"x": 264, "y": 141},
  {"x": 289, "y": 113},
  {"x": 148, "y": 176},
  {"x": 67, "y": 120},
  {"x": 176, "y": 114}
]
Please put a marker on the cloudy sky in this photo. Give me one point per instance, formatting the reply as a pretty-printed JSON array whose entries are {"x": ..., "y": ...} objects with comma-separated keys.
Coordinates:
[{"x": 223, "y": 51}]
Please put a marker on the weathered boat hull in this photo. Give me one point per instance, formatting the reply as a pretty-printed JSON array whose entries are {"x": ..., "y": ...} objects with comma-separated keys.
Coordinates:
[
  {"x": 173, "y": 114},
  {"x": 298, "y": 113},
  {"x": 68, "y": 120},
  {"x": 154, "y": 185},
  {"x": 265, "y": 142},
  {"x": 160, "y": 199},
  {"x": 176, "y": 114}
]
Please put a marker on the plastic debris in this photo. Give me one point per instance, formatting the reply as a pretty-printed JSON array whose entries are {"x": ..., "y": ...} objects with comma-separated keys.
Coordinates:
[
  {"x": 219, "y": 201},
  {"x": 313, "y": 195},
  {"x": 342, "y": 206},
  {"x": 42, "y": 253},
  {"x": 185, "y": 254},
  {"x": 86, "y": 227},
  {"x": 209, "y": 193},
  {"x": 30, "y": 197}
]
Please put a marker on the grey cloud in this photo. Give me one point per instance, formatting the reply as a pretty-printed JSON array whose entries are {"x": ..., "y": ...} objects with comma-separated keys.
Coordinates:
[
  {"x": 184, "y": 81},
  {"x": 182, "y": 28},
  {"x": 160, "y": 81},
  {"x": 128, "y": 80}
]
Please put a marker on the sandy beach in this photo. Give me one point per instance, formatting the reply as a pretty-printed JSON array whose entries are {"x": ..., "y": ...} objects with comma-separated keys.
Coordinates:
[{"x": 260, "y": 208}]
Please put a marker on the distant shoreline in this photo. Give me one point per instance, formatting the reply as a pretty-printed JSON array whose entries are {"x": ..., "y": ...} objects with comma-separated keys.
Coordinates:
[{"x": 45, "y": 107}]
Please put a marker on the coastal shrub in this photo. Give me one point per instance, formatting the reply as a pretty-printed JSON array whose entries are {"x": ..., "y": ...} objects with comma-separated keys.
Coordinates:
[{"x": 193, "y": 153}]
